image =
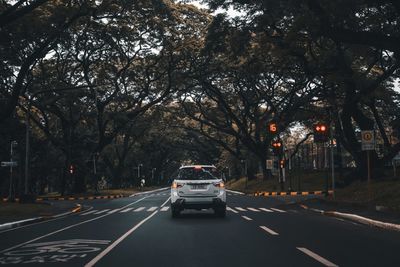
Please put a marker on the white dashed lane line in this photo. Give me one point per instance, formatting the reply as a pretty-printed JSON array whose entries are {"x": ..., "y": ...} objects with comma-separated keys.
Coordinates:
[
  {"x": 266, "y": 229},
  {"x": 240, "y": 209},
  {"x": 317, "y": 257},
  {"x": 102, "y": 211},
  {"x": 139, "y": 209},
  {"x": 126, "y": 210},
  {"x": 264, "y": 209},
  {"x": 89, "y": 212},
  {"x": 247, "y": 218},
  {"x": 152, "y": 209},
  {"x": 230, "y": 209},
  {"x": 164, "y": 208}
]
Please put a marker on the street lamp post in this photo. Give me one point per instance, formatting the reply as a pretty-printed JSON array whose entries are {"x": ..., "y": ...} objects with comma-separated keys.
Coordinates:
[{"x": 13, "y": 143}]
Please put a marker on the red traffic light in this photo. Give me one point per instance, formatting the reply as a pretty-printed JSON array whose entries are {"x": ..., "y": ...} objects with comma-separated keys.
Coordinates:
[
  {"x": 321, "y": 128},
  {"x": 277, "y": 144}
]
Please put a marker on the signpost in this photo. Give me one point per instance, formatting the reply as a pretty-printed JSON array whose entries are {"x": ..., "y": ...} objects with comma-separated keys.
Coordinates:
[
  {"x": 368, "y": 144},
  {"x": 270, "y": 164},
  {"x": 9, "y": 164}
]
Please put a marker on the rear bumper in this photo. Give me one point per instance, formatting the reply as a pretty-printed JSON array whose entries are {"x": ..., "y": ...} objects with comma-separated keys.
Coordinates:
[{"x": 196, "y": 203}]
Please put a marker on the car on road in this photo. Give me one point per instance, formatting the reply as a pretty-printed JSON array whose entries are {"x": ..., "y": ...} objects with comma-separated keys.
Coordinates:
[{"x": 198, "y": 187}]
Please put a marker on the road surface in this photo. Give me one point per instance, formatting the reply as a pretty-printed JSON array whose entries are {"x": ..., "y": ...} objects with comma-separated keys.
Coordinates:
[{"x": 139, "y": 231}]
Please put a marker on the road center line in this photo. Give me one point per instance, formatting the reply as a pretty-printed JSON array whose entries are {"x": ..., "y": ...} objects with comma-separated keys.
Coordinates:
[
  {"x": 265, "y": 228},
  {"x": 247, "y": 218},
  {"x": 317, "y": 257},
  {"x": 119, "y": 240},
  {"x": 66, "y": 228}
]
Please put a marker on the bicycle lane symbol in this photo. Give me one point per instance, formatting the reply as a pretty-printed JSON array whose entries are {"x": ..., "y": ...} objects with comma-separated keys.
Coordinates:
[{"x": 52, "y": 252}]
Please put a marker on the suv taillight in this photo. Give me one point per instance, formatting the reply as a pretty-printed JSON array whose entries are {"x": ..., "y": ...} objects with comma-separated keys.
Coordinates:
[
  {"x": 176, "y": 185},
  {"x": 220, "y": 184}
]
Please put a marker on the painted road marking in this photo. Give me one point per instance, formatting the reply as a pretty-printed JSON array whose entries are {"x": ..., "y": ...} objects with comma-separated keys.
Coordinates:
[
  {"x": 152, "y": 209},
  {"x": 253, "y": 209},
  {"x": 166, "y": 201},
  {"x": 126, "y": 210},
  {"x": 230, "y": 209},
  {"x": 113, "y": 211},
  {"x": 265, "y": 228},
  {"x": 164, "y": 208},
  {"x": 240, "y": 209},
  {"x": 247, "y": 218},
  {"x": 278, "y": 210},
  {"x": 119, "y": 240},
  {"x": 68, "y": 227},
  {"x": 267, "y": 210},
  {"x": 89, "y": 212},
  {"x": 317, "y": 257},
  {"x": 102, "y": 211},
  {"x": 139, "y": 209}
]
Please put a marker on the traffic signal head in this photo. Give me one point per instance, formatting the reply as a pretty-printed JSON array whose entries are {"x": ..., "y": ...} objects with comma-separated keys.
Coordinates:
[
  {"x": 71, "y": 169},
  {"x": 277, "y": 147},
  {"x": 321, "y": 133},
  {"x": 272, "y": 127}
]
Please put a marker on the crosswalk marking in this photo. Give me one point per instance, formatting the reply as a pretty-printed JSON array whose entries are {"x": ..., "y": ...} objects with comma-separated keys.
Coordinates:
[
  {"x": 253, "y": 209},
  {"x": 240, "y": 209},
  {"x": 230, "y": 209},
  {"x": 278, "y": 210},
  {"x": 152, "y": 209},
  {"x": 126, "y": 210},
  {"x": 113, "y": 211},
  {"x": 89, "y": 212},
  {"x": 139, "y": 209},
  {"x": 164, "y": 208},
  {"x": 102, "y": 211},
  {"x": 247, "y": 218},
  {"x": 264, "y": 209}
]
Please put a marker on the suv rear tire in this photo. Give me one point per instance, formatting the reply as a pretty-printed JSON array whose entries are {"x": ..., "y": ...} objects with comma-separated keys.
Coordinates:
[
  {"x": 175, "y": 212},
  {"x": 220, "y": 212}
]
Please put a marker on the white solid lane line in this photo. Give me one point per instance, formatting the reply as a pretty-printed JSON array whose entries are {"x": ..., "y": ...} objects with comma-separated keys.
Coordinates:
[
  {"x": 247, "y": 218},
  {"x": 102, "y": 211},
  {"x": 253, "y": 209},
  {"x": 89, "y": 212},
  {"x": 152, "y": 209},
  {"x": 139, "y": 209},
  {"x": 267, "y": 210},
  {"x": 265, "y": 228},
  {"x": 278, "y": 210},
  {"x": 230, "y": 209},
  {"x": 126, "y": 210},
  {"x": 240, "y": 209},
  {"x": 317, "y": 257},
  {"x": 119, "y": 240},
  {"x": 164, "y": 208},
  {"x": 68, "y": 227},
  {"x": 166, "y": 201}
]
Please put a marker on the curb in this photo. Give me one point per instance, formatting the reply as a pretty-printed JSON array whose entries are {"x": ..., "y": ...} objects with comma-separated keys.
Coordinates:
[
  {"x": 304, "y": 193},
  {"x": 39, "y": 199},
  {"x": 11, "y": 225},
  {"x": 356, "y": 218},
  {"x": 236, "y": 192}
]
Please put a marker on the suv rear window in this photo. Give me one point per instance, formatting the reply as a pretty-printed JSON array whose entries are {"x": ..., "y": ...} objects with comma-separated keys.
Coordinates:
[{"x": 198, "y": 174}]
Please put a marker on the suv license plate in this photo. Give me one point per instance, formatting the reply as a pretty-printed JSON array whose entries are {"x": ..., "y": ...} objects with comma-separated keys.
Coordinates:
[{"x": 198, "y": 186}]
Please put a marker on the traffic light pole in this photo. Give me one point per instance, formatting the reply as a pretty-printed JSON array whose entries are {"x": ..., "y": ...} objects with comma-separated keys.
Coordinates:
[{"x": 332, "y": 157}]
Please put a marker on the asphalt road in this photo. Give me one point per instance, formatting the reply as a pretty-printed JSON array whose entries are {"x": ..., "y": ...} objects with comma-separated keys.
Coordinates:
[{"x": 139, "y": 231}]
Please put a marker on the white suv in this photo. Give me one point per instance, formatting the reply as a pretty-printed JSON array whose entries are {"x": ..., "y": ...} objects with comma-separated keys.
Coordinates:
[{"x": 198, "y": 187}]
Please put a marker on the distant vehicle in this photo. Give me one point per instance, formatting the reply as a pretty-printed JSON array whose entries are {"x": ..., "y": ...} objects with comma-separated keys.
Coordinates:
[{"x": 198, "y": 187}]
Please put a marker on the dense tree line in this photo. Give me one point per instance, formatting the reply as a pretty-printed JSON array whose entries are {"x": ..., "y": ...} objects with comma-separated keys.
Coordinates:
[{"x": 110, "y": 86}]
